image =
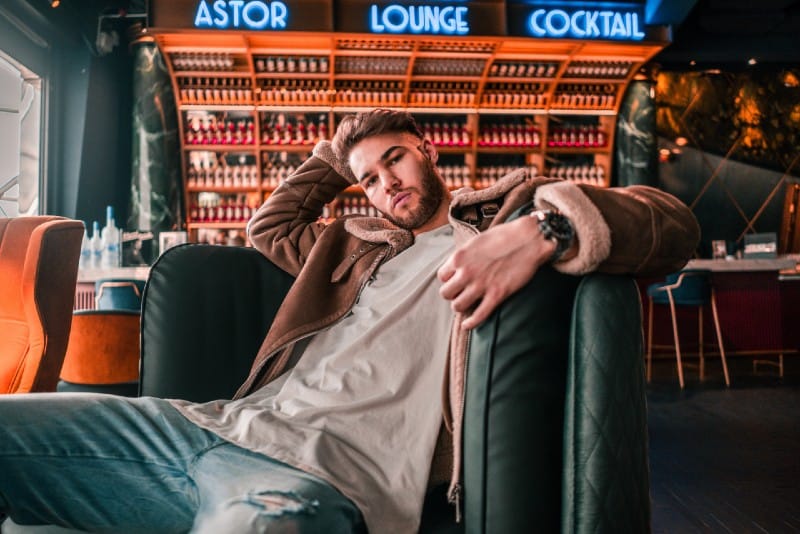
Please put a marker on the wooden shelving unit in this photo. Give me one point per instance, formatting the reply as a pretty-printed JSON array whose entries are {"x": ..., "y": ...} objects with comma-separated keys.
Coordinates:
[{"x": 252, "y": 105}]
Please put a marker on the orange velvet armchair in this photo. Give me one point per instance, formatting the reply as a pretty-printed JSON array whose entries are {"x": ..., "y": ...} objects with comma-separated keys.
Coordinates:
[{"x": 38, "y": 271}]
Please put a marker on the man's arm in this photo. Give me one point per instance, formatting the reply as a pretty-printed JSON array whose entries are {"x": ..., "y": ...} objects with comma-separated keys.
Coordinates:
[
  {"x": 635, "y": 230},
  {"x": 287, "y": 225}
]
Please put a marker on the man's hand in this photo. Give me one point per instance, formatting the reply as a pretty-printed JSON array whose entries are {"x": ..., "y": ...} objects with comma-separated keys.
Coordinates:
[{"x": 483, "y": 272}]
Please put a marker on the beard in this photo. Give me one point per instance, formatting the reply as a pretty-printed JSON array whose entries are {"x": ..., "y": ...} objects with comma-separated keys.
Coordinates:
[{"x": 431, "y": 196}]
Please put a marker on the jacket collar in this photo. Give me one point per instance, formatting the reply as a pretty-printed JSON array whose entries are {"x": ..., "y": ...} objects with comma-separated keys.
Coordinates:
[
  {"x": 469, "y": 197},
  {"x": 378, "y": 230}
]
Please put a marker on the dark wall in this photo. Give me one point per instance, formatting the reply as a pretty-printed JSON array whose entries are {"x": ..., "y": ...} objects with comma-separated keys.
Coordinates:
[
  {"x": 729, "y": 198},
  {"x": 87, "y": 104},
  {"x": 105, "y": 169},
  {"x": 740, "y": 147}
]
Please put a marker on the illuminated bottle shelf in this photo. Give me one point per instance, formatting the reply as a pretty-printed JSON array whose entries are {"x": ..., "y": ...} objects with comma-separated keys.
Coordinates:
[{"x": 489, "y": 104}]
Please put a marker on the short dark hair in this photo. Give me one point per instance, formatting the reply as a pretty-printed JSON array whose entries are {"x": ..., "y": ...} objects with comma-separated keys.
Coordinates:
[{"x": 355, "y": 128}]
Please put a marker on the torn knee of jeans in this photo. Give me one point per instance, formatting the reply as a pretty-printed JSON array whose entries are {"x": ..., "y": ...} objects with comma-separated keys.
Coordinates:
[{"x": 278, "y": 503}]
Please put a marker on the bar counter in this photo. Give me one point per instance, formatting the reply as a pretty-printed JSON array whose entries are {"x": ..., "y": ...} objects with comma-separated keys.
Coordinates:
[
  {"x": 782, "y": 263},
  {"x": 86, "y": 276},
  {"x": 758, "y": 302}
]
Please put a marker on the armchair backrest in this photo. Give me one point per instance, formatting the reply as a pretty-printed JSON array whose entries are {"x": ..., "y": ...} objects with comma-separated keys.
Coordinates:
[
  {"x": 205, "y": 312},
  {"x": 38, "y": 272}
]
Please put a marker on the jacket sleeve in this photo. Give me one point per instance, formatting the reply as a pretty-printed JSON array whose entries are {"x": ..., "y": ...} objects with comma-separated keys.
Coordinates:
[
  {"x": 286, "y": 226},
  {"x": 635, "y": 230}
]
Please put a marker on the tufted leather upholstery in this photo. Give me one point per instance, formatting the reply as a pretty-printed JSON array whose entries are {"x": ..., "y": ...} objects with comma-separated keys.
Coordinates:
[
  {"x": 38, "y": 271},
  {"x": 606, "y": 475}
]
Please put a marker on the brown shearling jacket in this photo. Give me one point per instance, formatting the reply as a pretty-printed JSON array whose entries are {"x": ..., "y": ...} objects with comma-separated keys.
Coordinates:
[{"x": 636, "y": 230}]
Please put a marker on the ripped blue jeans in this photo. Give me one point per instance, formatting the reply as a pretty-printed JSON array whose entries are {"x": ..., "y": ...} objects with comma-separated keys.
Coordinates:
[{"x": 111, "y": 464}]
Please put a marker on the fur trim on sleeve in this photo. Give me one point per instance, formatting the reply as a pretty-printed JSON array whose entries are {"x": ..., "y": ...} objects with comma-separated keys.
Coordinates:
[
  {"x": 324, "y": 151},
  {"x": 594, "y": 235}
]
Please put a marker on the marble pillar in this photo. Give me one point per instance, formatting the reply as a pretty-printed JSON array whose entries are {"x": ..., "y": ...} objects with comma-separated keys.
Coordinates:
[
  {"x": 636, "y": 144},
  {"x": 156, "y": 187}
]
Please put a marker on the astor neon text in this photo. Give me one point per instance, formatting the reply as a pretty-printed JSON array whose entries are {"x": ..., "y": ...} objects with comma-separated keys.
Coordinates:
[{"x": 242, "y": 14}]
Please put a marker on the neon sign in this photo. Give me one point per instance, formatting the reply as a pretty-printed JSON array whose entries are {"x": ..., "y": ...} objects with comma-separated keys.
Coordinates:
[
  {"x": 396, "y": 18},
  {"x": 243, "y": 14},
  {"x": 612, "y": 20},
  {"x": 619, "y": 24}
]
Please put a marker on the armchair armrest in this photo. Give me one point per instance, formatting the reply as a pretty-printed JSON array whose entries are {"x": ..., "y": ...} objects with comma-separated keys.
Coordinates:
[
  {"x": 555, "y": 431},
  {"x": 606, "y": 484},
  {"x": 205, "y": 312}
]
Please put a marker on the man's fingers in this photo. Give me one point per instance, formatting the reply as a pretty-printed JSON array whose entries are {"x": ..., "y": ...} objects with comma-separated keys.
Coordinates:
[
  {"x": 452, "y": 287},
  {"x": 446, "y": 270},
  {"x": 467, "y": 298},
  {"x": 480, "y": 314}
]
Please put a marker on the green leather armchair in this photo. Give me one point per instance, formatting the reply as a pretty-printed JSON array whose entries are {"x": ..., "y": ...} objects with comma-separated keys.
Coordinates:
[
  {"x": 555, "y": 435},
  {"x": 555, "y": 431}
]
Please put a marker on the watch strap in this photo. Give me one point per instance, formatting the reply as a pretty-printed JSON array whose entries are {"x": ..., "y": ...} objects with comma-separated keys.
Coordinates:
[{"x": 557, "y": 228}]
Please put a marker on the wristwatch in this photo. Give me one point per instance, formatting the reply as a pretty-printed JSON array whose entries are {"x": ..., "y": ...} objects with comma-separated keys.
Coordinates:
[{"x": 556, "y": 227}]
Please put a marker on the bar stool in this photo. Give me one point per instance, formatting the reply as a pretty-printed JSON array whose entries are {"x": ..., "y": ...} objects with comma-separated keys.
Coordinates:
[
  {"x": 689, "y": 288},
  {"x": 118, "y": 294}
]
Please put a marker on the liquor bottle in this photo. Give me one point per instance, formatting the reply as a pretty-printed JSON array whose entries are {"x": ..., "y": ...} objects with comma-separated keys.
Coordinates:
[
  {"x": 111, "y": 240},
  {"x": 251, "y": 132},
  {"x": 312, "y": 134},
  {"x": 85, "y": 261},
  {"x": 601, "y": 137},
  {"x": 288, "y": 135},
  {"x": 191, "y": 181},
  {"x": 96, "y": 246},
  {"x": 300, "y": 135}
]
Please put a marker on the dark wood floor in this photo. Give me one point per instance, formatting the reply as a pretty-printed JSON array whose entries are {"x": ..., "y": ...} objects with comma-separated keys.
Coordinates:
[{"x": 725, "y": 460}]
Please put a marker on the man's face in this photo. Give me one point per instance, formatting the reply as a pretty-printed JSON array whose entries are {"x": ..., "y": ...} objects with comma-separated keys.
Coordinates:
[{"x": 397, "y": 173}]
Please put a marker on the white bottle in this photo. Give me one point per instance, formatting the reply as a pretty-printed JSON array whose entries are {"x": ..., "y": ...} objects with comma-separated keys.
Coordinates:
[
  {"x": 96, "y": 246},
  {"x": 110, "y": 242},
  {"x": 85, "y": 261}
]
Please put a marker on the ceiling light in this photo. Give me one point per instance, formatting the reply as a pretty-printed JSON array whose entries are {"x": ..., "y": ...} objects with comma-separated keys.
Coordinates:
[
  {"x": 55, "y": 3},
  {"x": 752, "y": 61},
  {"x": 693, "y": 63},
  {"x": 681, "y": 141}
]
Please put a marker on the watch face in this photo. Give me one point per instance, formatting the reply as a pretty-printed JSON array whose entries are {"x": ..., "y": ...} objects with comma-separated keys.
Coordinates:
[
  {"x": 554, "y": 225},
  {"x": 560, "y": 226}
]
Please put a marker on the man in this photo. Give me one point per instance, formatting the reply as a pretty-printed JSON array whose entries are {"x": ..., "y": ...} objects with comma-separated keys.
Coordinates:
[{"x": 336, "y": 426}]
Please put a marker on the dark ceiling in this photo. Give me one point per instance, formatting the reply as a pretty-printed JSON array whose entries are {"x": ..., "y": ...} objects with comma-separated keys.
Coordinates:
[
  {"x": 713, "y": 33},
  {"x": 727, "y": 33}
]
